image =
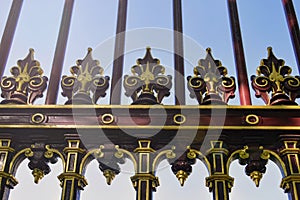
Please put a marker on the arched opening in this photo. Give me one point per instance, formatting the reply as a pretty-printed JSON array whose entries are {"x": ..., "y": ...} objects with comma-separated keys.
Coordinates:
[
  {"x": 194, "y": 187},
  {"x": 48, "y": 187},
  {"x": 120, "y": 187},
  {"x": 244, "y": 188}
]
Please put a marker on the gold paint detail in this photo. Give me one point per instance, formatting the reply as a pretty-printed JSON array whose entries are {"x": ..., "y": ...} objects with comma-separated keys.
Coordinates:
[
  {"x": 274, "y": 77},
  {"x": 87, "y": 83},
  {"x": 210, "y": 83},
  {"x": 290, "y": 150},
  {"x": 247, "y": 108},
  {"x": 182, "y": 176},
  {"x": 252, "y": 119},
  {"x": 96, "y": 153},
  {"x": 120, "y": 154},
  {"x": 265, "y": 154},
  {"x": 169, "y": 153},
  {"x": 179, "y": 119},
  {"x": 38, "y": 174},
  {"x": 11, "y": 181},
  {"x": 243, "y": 154},
  {"x": 5, "y": 145},
  {"x": 73, "y": 146},
  {"x": 286, "y": 182},
  {"x": 167, "y": 127},
  {"x": 240, "y": 153},
  {"x": 279, "y": 162},
  {"x": 5, "y": 150},
  {"x": 193, "y": 153},
  {"x": 144, "y": 146},
  {"x": 145, "y": 177},
  {"x": 109, "y": 176},
  {"x": 27, "y": 152},
  {"x": 210, "y": 181},
  {"x": 82, "y": 182},
  {"x": 107, "y": 118},
  {"x": 218, "y": 150},
  {"x": 147, "y": 79},
  {"x": 26, "y": 83},
  {"x": 256, "y": 176},
  {"x": 50, "y": 152},
  {"x": 72, "y": 151},
  {"x": 38, "y": 118}
]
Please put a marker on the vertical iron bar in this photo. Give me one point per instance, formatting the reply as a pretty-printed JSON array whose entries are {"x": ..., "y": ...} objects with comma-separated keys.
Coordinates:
[
  {"x": 118, "y": 63},
  {"x": 293, "y": 25},
  {"x": 240, "y": 63},
  {"x": 9, "y": 32},
  {"x": 59, "y": 55},
  {"x": 178, "y": 53}
]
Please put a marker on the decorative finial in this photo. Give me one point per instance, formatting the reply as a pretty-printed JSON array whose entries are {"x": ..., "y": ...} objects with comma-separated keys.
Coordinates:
[
  {"x": 38, "y": 174},
  {"x": 210, "y": 83},
  {"x": 27, "y": 83},
  {"x": 86, "y": 84},
  {"x": 109, "y": 175},
  {"x": 148, "y": 84},
  {"x": 273, "y": 82},
  {"x": 256, "y": 176},
  {"x": 182, "y": 176}
]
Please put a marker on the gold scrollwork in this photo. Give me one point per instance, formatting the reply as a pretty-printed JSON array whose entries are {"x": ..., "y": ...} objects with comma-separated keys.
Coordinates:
[
  {"x": 38, "y": 118},
  {"x": 147, "y": 84},
  {"x": 252, "y": 119},
  {"x": 179, "y": 119},
  {"x": 120, "y": 154},
  {"x": 107, "y": 118},
  {"x": 26, "y": 84},
  {"x": 50, "y": 153},
  {"x": 193, "y": 153}
]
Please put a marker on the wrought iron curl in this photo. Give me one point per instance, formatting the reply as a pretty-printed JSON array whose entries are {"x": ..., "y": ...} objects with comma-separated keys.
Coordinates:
[
  {"x": 26, "y": 83},
  {"x": 273, "y": 76},
  {"x": 87, "y": 83},
  {"x": 147, "y": 84},
  {"x": 210, "y": 83}
]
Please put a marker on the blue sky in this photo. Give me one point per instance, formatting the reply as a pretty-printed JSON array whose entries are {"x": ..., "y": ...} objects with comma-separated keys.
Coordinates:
[{"x": 205, "y": 23}]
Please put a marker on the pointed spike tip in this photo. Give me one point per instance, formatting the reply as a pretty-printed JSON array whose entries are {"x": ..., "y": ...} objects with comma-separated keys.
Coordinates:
[
  {"x": 270, "y": 51},
  {"x": 182, "y": 176},
  {"x": 109, "y": 175},
  {"x": 256, "y": 176},
  {"x": 181, "y": 181}
]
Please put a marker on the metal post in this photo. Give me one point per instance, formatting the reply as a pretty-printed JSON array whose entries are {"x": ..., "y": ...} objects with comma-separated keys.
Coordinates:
[
  {"x": 293, "y": 25},
  {"x": 240, "y": 63},
  {"x": 59, "y": 55},
  {"x": 116, "y": 82},
  {"x": 178, "y": 54},
  {"x": 9, "y": 32},
  {"x": 71, "y": 179},
  {"x": 219, "y": 182}
]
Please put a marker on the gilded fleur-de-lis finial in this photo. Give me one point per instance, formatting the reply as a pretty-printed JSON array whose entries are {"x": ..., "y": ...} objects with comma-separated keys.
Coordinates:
[
  {"x": 211, "y": 81},
  {"x": 148, "y": 84},
  {"x": 87, "y": 83},
  {"x": 26, "y": 84},
  {"x": 274, "y": 77}
]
